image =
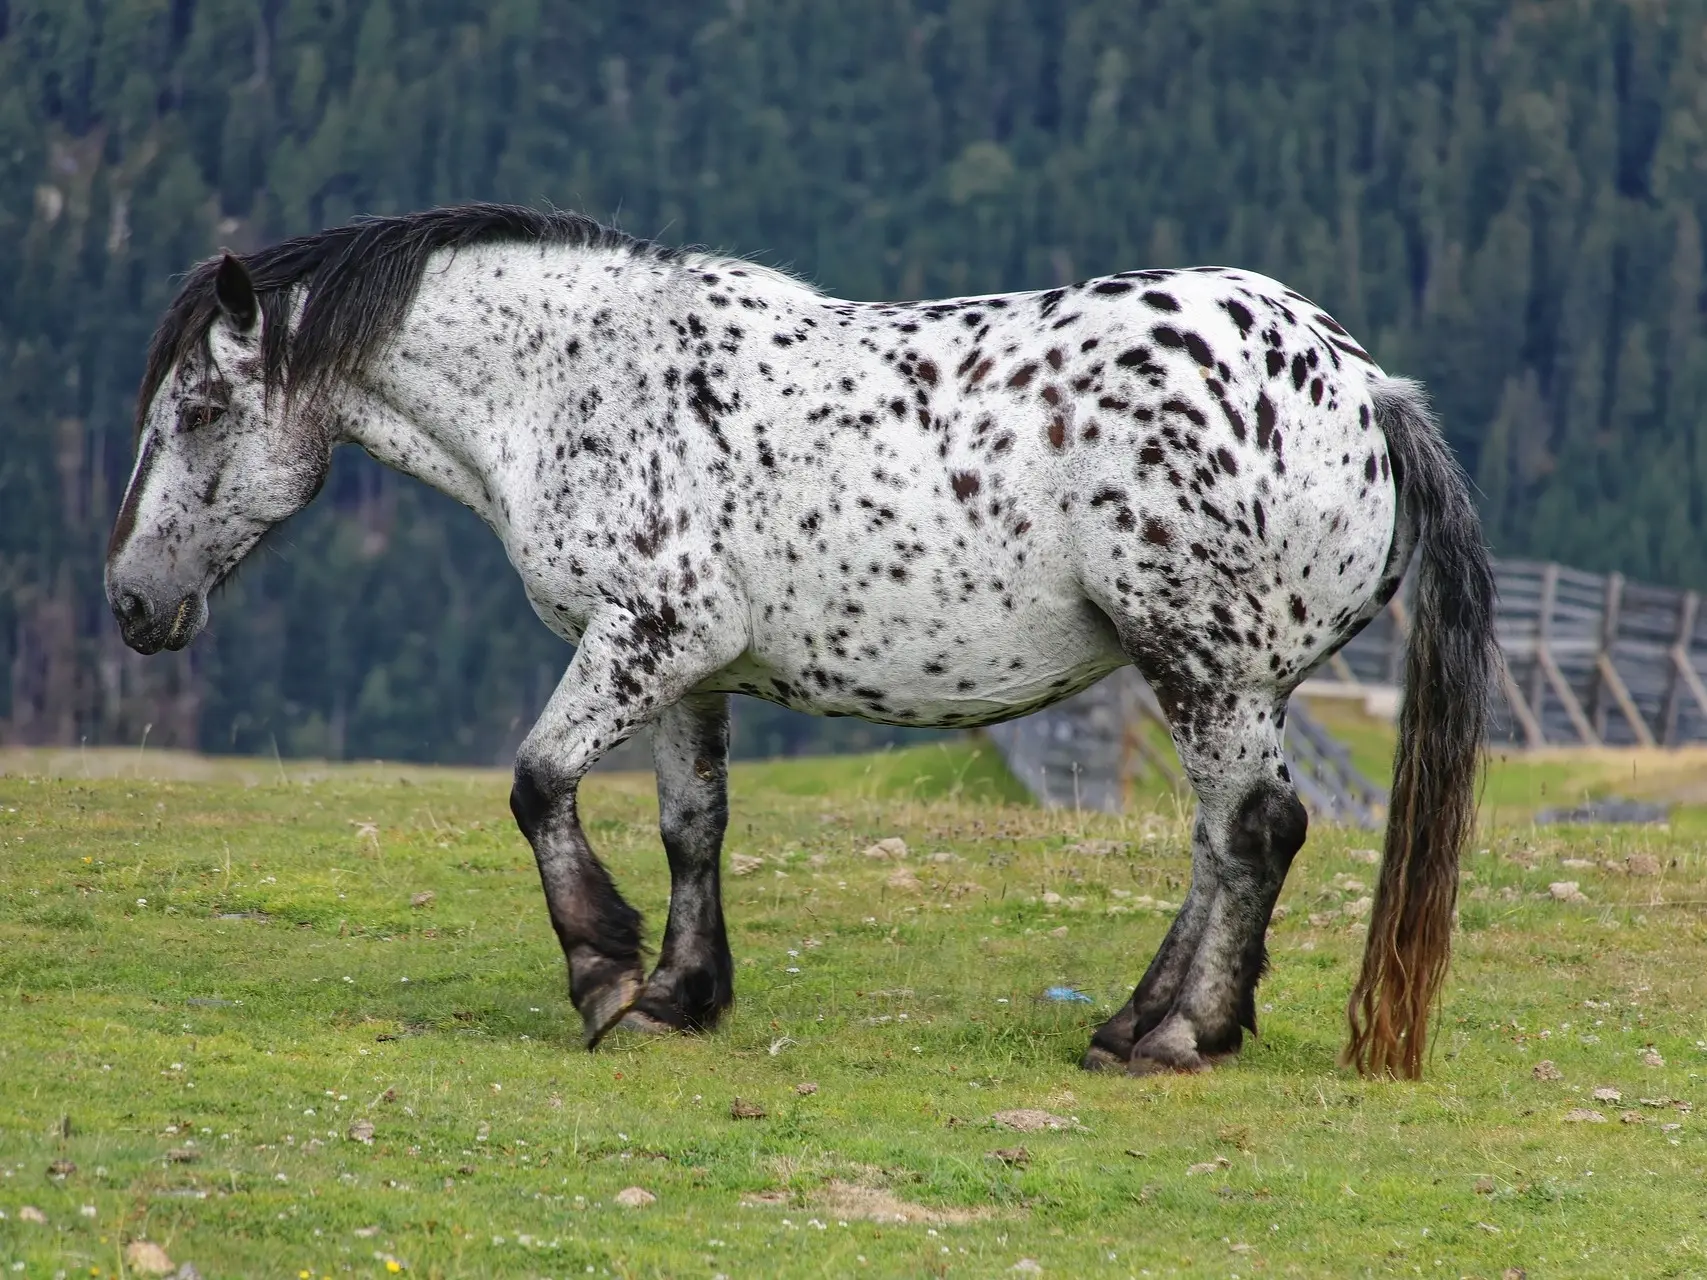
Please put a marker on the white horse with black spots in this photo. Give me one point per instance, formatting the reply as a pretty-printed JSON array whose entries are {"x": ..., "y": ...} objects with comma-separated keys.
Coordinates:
[{"x": 714, "y": 479}]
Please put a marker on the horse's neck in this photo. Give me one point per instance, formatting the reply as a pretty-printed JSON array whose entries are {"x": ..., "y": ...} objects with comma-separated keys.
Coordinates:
[{"x": 453, "y": 396}]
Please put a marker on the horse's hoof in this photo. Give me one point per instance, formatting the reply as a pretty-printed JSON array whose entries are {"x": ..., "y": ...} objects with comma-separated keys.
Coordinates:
[
  {"x": 1098, "y": 1058},
  {"x": 1144, "y": 1065},
  {"x": 1171, "y": 1046},
  {"x": 606, "y": 1007},
  {"x": 690, "y": 1003},
  {"x": 638, "y": 1019}
]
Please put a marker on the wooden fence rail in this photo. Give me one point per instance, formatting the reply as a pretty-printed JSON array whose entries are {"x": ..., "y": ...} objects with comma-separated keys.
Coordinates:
[{"x": 1587, "y": 658}]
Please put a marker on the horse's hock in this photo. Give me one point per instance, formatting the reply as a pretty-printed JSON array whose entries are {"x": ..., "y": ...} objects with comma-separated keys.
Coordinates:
[{"x": 1587, "y": 659}]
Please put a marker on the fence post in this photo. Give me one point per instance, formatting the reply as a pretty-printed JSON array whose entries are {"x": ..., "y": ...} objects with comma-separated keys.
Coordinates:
[
  {"x": 1686, "y": 610},
  {"x": 1610, "y": 601},
  {"x": 1401, "y": 633},
  {"x": 1606, "y": 674},
  {"x": 1543, "y": 632}
]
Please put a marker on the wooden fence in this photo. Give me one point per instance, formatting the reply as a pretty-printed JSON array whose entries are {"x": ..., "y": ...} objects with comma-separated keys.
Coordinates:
[{"x": 1588, "y": 659}]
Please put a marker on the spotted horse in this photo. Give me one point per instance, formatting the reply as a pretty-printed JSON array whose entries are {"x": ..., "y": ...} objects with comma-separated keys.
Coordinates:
[{"x": 714, "y": 479}]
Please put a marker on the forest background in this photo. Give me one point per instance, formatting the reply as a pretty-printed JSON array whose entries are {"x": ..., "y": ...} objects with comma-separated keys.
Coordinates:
[{"x": 1502, "y": 197}]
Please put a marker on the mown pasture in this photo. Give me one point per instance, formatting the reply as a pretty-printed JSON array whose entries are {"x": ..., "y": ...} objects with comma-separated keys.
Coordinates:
[{"x": 282, "y": 1019}]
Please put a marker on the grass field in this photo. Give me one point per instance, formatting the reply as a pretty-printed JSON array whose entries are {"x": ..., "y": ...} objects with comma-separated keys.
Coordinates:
[{"x": 214, "y": 977}]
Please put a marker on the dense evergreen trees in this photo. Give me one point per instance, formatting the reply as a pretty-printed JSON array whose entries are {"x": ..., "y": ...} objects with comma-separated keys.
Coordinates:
[{"x": 1504, "y": 197}]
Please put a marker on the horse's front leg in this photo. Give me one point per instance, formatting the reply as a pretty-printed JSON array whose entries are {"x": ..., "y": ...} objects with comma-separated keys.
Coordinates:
[
  {"x": 625, "y": 670},
  {"x": 694, "y": 981}
]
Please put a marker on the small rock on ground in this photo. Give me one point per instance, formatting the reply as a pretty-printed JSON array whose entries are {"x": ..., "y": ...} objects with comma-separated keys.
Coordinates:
[
  {"x": 1566, "y": 891},
  {"x": 1016, "y": 1157},
  {"x": 1031, "y": 1120},
  {"x": 892, "y": 847},
  {"x": 1208, "y": 1166},
  {"x": 361, "y": 1131},
  {"x": 1642, "y": 864},
  {"x": 148, "y": 1258},
  {"x": 1607, "y": 1094},
  {"x": 902, "y": 878},
  {"x": 1545, "y": 1070},
  {"x": 425, "y": 898},
  {"x": 635, "y": 1198},
  {"x": 740, "y": 1110},
  {"x": 744, "y": 864},
  {"x": 1582, "y": 1115},
  {"x": 806, "y": 1088},
  {"x": 29, "y": 1213}
]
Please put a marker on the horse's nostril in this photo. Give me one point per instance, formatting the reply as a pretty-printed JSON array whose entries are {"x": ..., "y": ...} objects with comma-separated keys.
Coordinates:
[{"x": 132, "y": 608}]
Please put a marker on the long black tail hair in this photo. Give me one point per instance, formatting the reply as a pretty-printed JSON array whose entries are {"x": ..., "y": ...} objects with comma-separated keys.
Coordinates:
[{"x": 1449, "y": 667}]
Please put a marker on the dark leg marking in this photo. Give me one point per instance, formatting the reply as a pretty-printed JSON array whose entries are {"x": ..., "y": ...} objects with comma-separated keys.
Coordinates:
[
  {"x": 598, "y": 931},
  {"x": 694, "y": 980},
  {"x": 1216, "y": 1001},
  {"x": 1111, "y": 1046}
]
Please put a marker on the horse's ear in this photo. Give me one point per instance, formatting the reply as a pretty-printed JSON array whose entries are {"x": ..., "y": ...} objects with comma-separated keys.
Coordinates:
[{"x": 236, "y": 294}]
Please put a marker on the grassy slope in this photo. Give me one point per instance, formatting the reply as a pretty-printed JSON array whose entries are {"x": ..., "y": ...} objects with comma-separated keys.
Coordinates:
[{"x": 262, "y": 1038}]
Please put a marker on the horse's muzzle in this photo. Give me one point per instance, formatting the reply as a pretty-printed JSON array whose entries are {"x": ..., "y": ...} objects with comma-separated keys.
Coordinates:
[{"x": 149, "y": 628}]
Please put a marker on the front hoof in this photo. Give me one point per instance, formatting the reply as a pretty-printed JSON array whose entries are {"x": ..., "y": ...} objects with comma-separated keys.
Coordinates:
[
  {"x": 647, "y": 1023},
  {"x": 1144, "y": 1065},
  {"x": 606, "y": 1005},
  {"x": 693, "y": 1000},
  {"x": 1171, "y": 1047},
  {"x": 1098, "y": 1058}
]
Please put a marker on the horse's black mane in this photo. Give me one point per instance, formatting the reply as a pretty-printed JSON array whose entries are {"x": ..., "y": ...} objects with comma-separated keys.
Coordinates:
[{"x": 360, "y": 280}]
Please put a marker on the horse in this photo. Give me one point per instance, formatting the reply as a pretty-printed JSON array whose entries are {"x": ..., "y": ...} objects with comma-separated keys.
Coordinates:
[{"x": 713, "y": 478}]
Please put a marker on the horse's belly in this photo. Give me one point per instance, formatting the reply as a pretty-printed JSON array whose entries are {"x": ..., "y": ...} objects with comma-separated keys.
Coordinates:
[{"x": 928, "y": 666}]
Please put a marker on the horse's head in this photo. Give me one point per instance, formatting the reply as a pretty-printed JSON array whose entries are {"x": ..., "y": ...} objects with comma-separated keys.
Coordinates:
[{"x": 222, "y": 456}]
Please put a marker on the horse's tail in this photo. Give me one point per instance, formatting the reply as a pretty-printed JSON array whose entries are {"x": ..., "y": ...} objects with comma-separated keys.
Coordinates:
[{"x": 1449, "y": 665}]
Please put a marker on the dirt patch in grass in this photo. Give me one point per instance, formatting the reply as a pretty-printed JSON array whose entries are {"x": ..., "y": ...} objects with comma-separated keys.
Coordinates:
[{"x": 875, "y": 1204}]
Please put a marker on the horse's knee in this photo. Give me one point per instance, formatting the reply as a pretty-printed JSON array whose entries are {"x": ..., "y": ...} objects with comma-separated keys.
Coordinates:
[{"x": 537, "y": 791}]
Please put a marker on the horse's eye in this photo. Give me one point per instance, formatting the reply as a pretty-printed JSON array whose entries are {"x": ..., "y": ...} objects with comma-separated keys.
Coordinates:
[{"x": 200, "y": 415}]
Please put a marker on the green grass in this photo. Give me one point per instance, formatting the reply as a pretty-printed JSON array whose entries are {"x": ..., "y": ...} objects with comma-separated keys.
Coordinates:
[{"x": 235, "y": 963}]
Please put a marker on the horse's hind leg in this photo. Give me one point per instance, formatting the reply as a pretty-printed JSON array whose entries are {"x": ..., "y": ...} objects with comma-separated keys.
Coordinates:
[
  {"x": 628, "y": 666},
  {"x": 1250, "y": 826},
  {"x": 1111, "y": 1046},
  {"x": 694, "y": 980}
]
